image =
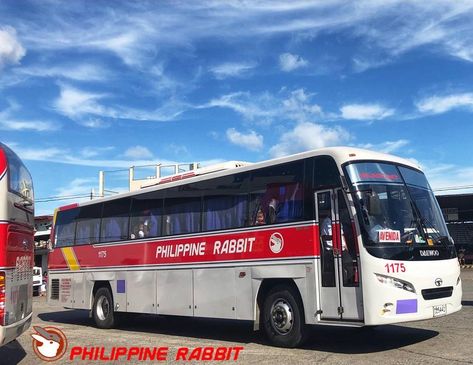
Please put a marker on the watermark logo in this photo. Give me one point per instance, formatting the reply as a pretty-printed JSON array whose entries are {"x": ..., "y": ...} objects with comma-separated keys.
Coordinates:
[
  {"x": 276, "y": 242},
  {"x": 49, "y": 343}
]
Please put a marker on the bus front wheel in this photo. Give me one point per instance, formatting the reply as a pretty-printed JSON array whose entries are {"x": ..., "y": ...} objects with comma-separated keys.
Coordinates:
[
  {"x": 283, "y": 319},
  {"x": 102, "y": 309}
]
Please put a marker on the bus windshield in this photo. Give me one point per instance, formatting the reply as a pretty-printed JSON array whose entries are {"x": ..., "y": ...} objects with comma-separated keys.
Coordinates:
[{"x": 396, "y": 206}]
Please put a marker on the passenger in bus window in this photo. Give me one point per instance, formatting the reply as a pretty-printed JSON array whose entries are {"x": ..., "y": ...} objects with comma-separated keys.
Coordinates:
[
  {"x": 260, "y": 220},
  {"x": 167, "y": 225},
  {"x": 272, "y": 210}
]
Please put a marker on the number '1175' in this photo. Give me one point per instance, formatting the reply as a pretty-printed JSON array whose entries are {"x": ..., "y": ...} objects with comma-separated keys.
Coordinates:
[{"x": 395, "y": 267}]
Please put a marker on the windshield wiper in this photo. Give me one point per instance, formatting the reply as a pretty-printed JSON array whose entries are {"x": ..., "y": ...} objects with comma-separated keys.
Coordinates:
[
  {"x": 420, "y": 226},
  {"x": 433, "y": 230}
]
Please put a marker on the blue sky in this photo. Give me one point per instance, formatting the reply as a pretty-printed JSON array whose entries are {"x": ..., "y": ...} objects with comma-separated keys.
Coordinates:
[{"x": 88, "y": 86}]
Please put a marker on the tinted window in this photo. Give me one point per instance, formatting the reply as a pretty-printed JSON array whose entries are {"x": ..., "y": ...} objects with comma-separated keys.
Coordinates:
[
  {"x": 19, "y": 179},
  {"x": 277, "y": 194},
  {"x": 326, "y": 174},
  {"x": 146, "y": 211},
  {"x": 413, "y": 177},
  {"x": 65, "y": 227},
  {"x": 181, "y": 210},
  {"x": 225, "y": 202},
  {"x": 88, "y": 224},
  {"x": 115, "y": 219}
]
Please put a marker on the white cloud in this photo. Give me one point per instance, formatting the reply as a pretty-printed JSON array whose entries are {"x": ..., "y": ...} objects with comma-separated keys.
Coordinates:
[
  {"x": 69, "y": 157},
  {"x": 449, "y": 178},
  {"x": 289, "y": 62},
  {"x": 137, "y": 31},
  {"x": 9, "y": 120},
  {"x": 89, "y": 152},
  {"x": 78, "y": 186},
  {"x": 177, "y": 149},
  {"x": 87, "y": 108},
  {"x": 138, "y": 152},
  {"x": 261, "y": 107},
  {"x": 365, "y": 112},
  {"x": 250, "y": 140},
  {"x": 388, "y": 146},
  {"x": 264, "y": 108},
  {"x": 81, "y": 72},
  {"x": 232, "y": 69},
  {"x": 442, "y": 104},
  {"x": 298, "y": 106},
  {"x": 75, "y": 103},
  {"x": 11, "y": 51},
  {"x": 307, "y": 136}
]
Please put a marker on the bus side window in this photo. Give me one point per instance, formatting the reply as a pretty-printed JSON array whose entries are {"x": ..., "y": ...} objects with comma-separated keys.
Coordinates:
[
  {"x": 146, "y": 213},
  {"x": 115, "y": 220},
  {"x": 184, "y": 210},
  {"x": 65, "y": 227},
  {"x": 88, "y": 224},
  {"x": 277, "y": 194}
]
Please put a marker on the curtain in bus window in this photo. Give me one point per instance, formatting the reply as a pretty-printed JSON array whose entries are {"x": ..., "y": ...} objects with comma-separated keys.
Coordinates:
[
  {"x": 87, "y": 231},
  {"x": 65, "y": 227},
  {"x": 182, "y": 215},
  {"x": 222, "y": 212},
  {"x": 146, "y": 211},
  {"x": 88, "y": 224},
  {"x": 277, "y": 194},
  {"x": 115, "y": 220}
]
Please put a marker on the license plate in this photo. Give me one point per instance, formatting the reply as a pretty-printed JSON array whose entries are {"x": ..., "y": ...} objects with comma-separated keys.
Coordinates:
[{"x": 440, "y": 310}]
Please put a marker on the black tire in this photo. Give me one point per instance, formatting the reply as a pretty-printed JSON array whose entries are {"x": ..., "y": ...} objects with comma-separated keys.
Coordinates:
[
  {"x": 102, "y": 310},
  {"x": 283, "y": 317}
]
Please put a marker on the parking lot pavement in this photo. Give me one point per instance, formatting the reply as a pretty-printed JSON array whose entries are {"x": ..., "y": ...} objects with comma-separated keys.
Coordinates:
[{"x": 446, "y": 340}]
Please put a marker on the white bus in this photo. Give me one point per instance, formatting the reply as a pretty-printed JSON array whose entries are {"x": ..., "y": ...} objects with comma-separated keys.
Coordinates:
[{"x": 338, "y": 236}]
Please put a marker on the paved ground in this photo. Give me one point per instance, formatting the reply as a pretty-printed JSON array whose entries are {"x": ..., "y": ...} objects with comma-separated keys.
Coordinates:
[{"x": 448, "y": 340}]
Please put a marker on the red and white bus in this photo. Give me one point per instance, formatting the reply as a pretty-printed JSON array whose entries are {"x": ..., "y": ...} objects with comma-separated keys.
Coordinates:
[
  {"x": 16, "y": 246},
  {"x": 337, "y": 236}
]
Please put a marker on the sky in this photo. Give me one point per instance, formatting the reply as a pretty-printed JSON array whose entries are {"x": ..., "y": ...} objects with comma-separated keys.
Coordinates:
[{"x": 88, "y": 86}]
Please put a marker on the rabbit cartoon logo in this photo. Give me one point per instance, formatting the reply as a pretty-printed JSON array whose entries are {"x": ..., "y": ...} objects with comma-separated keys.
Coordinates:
[
  {"x": 49, "y": 343},
  {"x": 276, "y": 242}
]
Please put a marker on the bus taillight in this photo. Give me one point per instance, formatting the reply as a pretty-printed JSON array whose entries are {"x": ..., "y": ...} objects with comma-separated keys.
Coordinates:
[{"x": 2, "y": 297}]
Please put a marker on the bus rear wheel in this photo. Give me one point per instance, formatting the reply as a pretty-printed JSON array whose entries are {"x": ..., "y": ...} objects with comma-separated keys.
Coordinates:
[
  {"x": 283, "y": 319},
  {"x": 102, "y": 310}
]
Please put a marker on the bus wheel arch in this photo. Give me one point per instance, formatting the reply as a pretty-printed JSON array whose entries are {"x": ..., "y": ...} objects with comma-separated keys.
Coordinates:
[
  {"x": 103, "y": 311},
  {"x": 281, "y": 312}
]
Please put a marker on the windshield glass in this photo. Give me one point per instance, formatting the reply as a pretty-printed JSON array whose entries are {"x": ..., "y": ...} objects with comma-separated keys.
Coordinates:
[{"x": 396, "y": 207}]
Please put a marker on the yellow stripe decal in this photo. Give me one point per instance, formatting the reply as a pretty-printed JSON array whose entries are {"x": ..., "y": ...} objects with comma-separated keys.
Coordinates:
[{"x": 71, "y": 258}]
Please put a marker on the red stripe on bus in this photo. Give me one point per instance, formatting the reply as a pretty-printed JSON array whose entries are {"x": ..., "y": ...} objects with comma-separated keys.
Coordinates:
[{"x": 282, "y": 242}]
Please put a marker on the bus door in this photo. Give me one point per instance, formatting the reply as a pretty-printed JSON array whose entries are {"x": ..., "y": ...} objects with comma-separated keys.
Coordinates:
[{"x": 340, "y": 294}]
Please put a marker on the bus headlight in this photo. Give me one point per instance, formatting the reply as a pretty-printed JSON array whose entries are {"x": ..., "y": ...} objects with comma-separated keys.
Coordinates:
[{"x": 395, "y": 282}]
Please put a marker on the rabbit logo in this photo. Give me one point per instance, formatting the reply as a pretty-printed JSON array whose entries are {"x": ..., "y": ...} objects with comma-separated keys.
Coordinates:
[
  {"x": 49, "y": 343},
  {"x": 276, "y": 242}
]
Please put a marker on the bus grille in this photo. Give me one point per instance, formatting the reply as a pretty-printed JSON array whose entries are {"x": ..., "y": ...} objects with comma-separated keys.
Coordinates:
[
  {"x": 437, "y": 293},
  {"x": 55, "y": 289}
]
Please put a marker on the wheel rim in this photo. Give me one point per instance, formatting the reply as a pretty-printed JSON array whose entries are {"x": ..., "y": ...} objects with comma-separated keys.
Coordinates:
[
  {"x": 103, "y": 308},
  {"x": 282, "y": 316}
]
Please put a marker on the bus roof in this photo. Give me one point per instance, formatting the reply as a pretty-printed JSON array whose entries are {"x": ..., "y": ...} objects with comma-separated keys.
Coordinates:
[{"x": 341, "y": 155}]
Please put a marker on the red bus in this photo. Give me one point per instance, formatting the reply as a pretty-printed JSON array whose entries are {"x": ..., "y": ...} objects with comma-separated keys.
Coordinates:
[
  {"x": 16, "y": 246},
  {"x": 337, "y": 236}
]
